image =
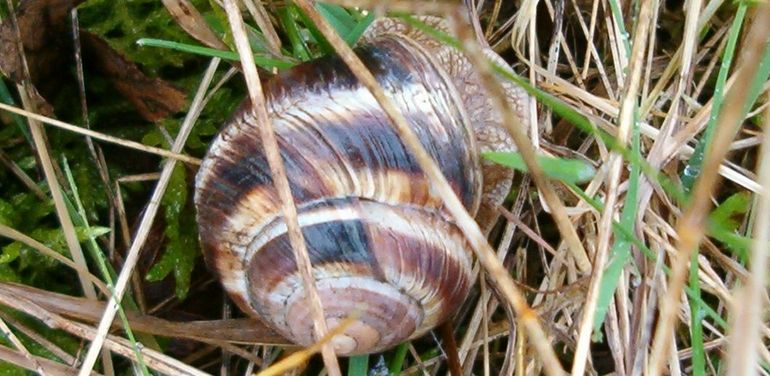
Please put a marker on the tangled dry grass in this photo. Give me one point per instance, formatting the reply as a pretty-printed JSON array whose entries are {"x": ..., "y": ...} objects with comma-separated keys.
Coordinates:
[{"x": 657, "y": 265}]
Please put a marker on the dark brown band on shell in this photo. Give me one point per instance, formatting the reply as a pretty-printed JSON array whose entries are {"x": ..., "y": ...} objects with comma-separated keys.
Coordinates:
[
  {"x": 328, "y": 126},
  {"x": 388, "y": 235},
  {"x": 487, "y": 123},
  {"x": 415, "y": 260}
]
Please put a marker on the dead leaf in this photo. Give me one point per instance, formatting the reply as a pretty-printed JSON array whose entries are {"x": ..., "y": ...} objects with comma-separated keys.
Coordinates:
[
  {"x": 42, "y": 24},
  {"x": 154, "y": 98},
  {"x": 188, "y": 17},
  {"x": 46, "y": 35}
]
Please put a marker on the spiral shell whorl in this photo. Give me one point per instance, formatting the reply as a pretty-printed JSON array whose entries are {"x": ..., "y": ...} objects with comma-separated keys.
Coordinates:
[
  {"x": 372, "y": 224},
  {"x": 486, "y": 121},
  {"x": 403, "y": 269}
]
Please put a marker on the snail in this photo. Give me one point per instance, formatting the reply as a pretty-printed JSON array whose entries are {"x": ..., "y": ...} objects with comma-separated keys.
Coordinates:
[{"x": 380, "y": 242}]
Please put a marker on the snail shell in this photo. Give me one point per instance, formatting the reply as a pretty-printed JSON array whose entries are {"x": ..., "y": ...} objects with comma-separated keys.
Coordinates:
[{"x": 380, "y": 242}]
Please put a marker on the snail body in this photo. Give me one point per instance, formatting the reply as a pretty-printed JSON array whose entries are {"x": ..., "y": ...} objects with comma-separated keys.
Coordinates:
[{"x": 380, "y": 242}]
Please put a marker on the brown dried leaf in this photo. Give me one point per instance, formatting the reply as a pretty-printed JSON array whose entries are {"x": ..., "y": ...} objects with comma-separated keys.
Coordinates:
[
  {"x": 152, "y": 97},
  {"x": 42, "y": 24},
  {"x": 46, "y": 36},
  {"x": 188, "y": 17}
]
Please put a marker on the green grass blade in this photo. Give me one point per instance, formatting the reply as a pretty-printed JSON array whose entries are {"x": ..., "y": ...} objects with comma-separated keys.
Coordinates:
[
  {"x": 634, "y": 159},
  {"x": 397, "y": 363},
  {"x": 566, "y": 170},
  {"x": 617, "y": 14},
  {"x": 620, "y": 254},
  {"x": 560, "y": 108},
  {"x": 299, "y": 48},
  {"x": 349, "y": 26},
  {"x": 358, "y": 365},
  {"x": 98, "y": 256},
  {"x": 693, "y": 167},
  {"x": 696, "y": 319},
  {"x": 7, "y": 98},
  {"x": 261, "y": 61},
  {"x": 323, "y": 44},
  {"x": 630, "y": 236},
  {"x": 358, "y": 30},
  {"x": 337, "y": 17}
]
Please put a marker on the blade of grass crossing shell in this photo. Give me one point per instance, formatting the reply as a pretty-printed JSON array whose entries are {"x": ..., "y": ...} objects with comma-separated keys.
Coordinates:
[
  {"x": 358, "y": 365},
  {"x": 620, "y": 253},
  {"x": 101, "y": 263},
  {"x": 470, "y": 229},
  {"x": 280, "y": 182},
  {"x": 263, "y": 62},
  {"x": 693, "y": 167}
]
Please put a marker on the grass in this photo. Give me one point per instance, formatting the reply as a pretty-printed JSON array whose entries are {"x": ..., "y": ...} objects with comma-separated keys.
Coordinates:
[{"x": 654, "y": 151}]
